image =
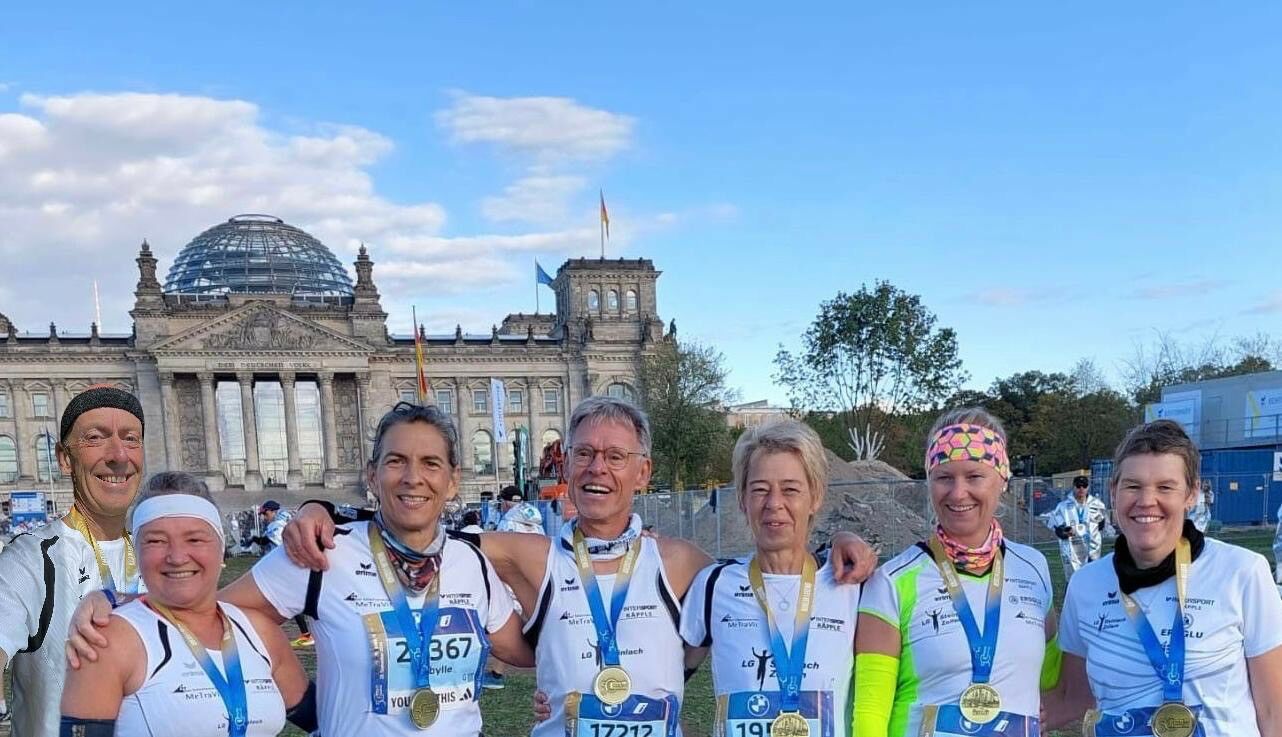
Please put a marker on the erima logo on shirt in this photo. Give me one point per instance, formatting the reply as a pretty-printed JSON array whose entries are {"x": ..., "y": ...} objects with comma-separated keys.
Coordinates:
[
  {"x": 571, "y": 584},
  {"x": 366, "y": 569},
  {"x": 744, "y": 591}
]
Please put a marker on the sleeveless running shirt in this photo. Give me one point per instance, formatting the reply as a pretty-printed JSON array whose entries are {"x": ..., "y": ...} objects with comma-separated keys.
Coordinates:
[
  {"x": 568, "y": 658},
  {"x": 351, "y": 609},
  {"x": 177, "y": 697},
  {"x": 721, "y": 611},
  {"x": 908, "y": 593}
]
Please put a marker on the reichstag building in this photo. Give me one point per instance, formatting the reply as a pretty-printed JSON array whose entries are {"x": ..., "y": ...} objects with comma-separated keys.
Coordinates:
[{"x": 263, "y": 369}]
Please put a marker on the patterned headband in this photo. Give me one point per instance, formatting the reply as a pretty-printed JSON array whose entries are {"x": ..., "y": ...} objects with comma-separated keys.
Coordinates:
[{"x": 968, "y": 442}]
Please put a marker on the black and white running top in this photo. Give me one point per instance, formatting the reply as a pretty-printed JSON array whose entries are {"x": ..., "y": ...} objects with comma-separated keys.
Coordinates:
[{"x": 177, "y": 698}]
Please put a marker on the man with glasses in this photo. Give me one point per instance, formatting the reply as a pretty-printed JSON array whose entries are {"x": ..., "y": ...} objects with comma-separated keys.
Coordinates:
[
  {"x": 592, "y": 674},
  {"x": 44, "y": 573}
]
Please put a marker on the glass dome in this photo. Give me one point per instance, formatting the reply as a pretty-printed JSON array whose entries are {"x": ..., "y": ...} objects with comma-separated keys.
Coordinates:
[{"x": 257, "y": 254}]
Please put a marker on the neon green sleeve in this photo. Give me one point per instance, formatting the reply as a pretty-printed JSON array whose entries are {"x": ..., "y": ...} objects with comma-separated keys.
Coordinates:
[
  {"x": 875, "y": 678},
  {"x": 1051, "y": 664}
]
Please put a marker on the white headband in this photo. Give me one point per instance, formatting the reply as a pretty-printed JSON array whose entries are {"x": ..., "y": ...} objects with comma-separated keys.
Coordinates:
[{"x": 177, "y": 505}]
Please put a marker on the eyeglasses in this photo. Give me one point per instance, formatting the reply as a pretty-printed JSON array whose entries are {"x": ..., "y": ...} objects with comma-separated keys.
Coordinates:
[{"x": 616, "y": 459}]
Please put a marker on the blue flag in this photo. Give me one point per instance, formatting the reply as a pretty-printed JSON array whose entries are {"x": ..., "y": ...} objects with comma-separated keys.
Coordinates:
[{"x": 541, "y": 276}]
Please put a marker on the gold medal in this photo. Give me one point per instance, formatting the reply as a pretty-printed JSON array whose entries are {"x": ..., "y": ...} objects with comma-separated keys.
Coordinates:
[
  {"x": 980, "y": 703},
  {"x": 1174, "y": 719},
  {"x": 612, "y": 685},
  {"x": 789, "y": 724},
  {"x": 1089, "y": 722},
  {"x": 425, "y": 707}
]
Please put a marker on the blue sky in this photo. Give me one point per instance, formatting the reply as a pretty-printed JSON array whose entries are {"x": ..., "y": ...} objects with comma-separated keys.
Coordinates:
[{"x": 1056, "y": 183}]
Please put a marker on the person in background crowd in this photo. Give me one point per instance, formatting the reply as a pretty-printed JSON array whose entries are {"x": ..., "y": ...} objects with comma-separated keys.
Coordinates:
[
  {"x": 1174, "y": 633},
  {"x": 472, "y": 522},
  {"x": 44, "y": 574},
  {"x": 1079, "y": 522},
  {"x": 138, "y": 688},
  {"x": 563, "y": 583},
  {"x": 518, "y": 514},
  {"x": 274, "y": 521},
  {"x": 1201, "y": 512},
  {"x": 957, "y": 633}
]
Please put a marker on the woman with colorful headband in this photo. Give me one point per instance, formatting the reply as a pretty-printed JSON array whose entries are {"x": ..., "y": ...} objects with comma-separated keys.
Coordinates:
[
  {"x": 181, "y": 663},
  {"x": 1175, "y": 633},
  {"x": 956, "y": 634}
]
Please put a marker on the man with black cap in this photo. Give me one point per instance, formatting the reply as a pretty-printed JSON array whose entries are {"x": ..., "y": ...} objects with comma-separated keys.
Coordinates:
[
  {"x": 45, "y": 572},
  {"x": 1079, "y": 522},
  {"x": 518, "y": 514}
]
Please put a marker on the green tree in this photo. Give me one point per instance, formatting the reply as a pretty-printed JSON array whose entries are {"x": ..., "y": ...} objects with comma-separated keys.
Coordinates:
[
  {"x": 683, "y": 389},
  {"x": 871, "y": 356}
]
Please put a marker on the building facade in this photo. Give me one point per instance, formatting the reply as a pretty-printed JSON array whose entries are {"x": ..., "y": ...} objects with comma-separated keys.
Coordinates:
[{"x": 264, "y": 369}]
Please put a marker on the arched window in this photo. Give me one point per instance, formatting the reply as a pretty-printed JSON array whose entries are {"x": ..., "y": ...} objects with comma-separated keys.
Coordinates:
[
  {"x": 549, "y": 437},
  {"x": 630, "y": 301},
  {"x": 482, "y": 453},
  {"x": 594, "y": 301},
  {"x": 621, "y": 391},
  {"x": 612, "y": 301},
  {"x": 46, "y": 461},
  {"x": 8, "y": 460}
]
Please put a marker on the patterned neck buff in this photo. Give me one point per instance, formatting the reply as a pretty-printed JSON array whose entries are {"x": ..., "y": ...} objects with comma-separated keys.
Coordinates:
[
  {"x": 415, "y": 569},
  {"x": 968, "y": 442},
  {"x": 972, "y": 560},
  {"x": 604, "y": 549}
]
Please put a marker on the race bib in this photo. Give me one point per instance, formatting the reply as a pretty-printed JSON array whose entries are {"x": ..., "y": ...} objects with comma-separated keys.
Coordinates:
[
  {"x": 637, "y": 716},
  {"x": 946, "y": 720},
  {"x": 749, "y": 713},
  {"x": 457, "y": 653},
  {"x": 1136, "y": 723}
]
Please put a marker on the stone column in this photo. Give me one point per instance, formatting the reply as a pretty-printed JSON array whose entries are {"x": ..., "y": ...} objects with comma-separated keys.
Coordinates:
[
  {"x": 365, "y": 413},
  {"x": 293, "y": 476},
  {"x": 463, "y": 405},
  {"x": 209, "y": 413},
  {"x": 59, "y": 397},
  {"x": 169, "y": 407},
  {"x": 25, "y": 437},
  {"x": 253, "y": 476},
  {"x": 329, "y": 427}
]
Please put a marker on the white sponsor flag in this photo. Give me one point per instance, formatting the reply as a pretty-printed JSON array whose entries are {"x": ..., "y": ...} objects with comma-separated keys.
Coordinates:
[{"x": 498, "y": 404}]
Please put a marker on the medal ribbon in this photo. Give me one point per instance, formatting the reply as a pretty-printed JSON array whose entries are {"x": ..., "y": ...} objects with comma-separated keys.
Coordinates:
[
  {"x": 417, "y": 636},
  {"x": 79, "y": 524},
  {"x": 232, "y": 687},
  {"x": 983, "y": 645},
  {"x": 1168, "y": 663},
  {"x": 606, "y": 627},
  {"x": 790, "y": 663}
]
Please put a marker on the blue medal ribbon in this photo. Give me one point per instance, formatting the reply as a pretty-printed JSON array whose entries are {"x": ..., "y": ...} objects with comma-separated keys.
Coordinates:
[
  {"x": 606, "y": 627},
  {"x": 983, "y": 645},
  {"x": 790, "y": 662},
  {"x": 416, "y": 635},
  {"x": 1168, "y": 663},
  {"x": 232, "y": 687}
]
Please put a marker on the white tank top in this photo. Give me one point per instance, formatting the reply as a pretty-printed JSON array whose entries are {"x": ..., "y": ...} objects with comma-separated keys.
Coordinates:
[
  {"x": 177, "y": 697},
  {"x": 650, "y": 649},
  {"x": 721, "y": 611}
]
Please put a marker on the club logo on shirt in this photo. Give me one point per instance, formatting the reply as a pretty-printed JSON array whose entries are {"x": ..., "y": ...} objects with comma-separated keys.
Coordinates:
[
  {"x": 83, "y": 576},
  {"x": 763, "y": 662},
  {"x": 932, "y": 618}
]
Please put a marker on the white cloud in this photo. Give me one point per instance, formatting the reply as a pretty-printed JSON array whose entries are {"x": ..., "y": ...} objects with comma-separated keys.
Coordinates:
[
  {"x": 1181, "y": 290},
  {"x": 1267, "y": 306},
  {"x": 534, "y": 199},
  {"x": 1004, "y": 296},
  {"x": 551, "y": 129}
]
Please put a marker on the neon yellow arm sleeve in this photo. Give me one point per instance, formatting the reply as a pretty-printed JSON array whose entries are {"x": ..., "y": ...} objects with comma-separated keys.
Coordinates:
[
  {"x": 1051, "y": 664},
  {"x": 875, "y": 679}
]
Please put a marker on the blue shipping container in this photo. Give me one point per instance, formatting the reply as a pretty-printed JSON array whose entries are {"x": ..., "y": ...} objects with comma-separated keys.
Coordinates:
[{"x": 1245, "y": 492}]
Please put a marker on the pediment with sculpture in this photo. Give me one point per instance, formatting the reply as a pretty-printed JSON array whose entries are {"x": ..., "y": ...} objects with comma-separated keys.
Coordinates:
[{"x": 259, "y": 328}]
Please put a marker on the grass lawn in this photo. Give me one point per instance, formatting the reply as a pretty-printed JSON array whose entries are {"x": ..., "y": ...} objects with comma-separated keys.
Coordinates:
[{"x": 507, "y": 711}]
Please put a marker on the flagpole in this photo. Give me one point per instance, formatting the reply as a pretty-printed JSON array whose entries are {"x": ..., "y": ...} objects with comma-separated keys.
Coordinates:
[
  {"x": 536, "y": 286},
  {"x": 602, "y": 237}
]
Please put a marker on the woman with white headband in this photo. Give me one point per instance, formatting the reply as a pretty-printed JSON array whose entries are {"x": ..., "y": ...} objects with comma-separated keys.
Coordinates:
[
  {"x": 181, "y": 663},
  {"x": 956, "y": 634}
]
